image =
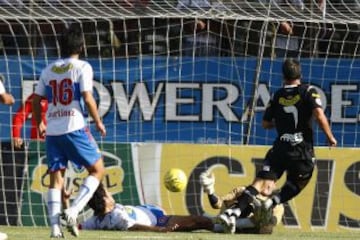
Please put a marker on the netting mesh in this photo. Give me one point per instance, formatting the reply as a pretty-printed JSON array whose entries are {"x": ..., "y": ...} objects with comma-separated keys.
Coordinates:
[
  {"x": 230, "y": 28},
  {"x": 312, "y": 10}
]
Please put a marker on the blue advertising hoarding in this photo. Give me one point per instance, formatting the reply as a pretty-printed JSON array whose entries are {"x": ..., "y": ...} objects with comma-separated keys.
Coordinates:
[{"x": 197, "y": 100}]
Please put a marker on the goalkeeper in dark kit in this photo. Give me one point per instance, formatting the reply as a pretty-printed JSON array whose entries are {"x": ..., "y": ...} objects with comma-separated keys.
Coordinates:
[{"x": 256, "y": 218}]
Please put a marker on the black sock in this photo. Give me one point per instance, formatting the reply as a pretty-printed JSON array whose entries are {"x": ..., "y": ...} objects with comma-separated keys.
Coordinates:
[
  {"x": 246, "y": 197},
  {"x": 287, "y": 192}
]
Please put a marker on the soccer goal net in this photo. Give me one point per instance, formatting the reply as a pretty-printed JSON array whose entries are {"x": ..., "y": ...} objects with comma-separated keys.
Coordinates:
[{"x": 185, "y": 84}]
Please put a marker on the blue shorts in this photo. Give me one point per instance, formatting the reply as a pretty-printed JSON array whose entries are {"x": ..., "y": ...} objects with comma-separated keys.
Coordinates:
[
  {"x": 78, "y": 146},
  {"x": 159, "y": 213}
]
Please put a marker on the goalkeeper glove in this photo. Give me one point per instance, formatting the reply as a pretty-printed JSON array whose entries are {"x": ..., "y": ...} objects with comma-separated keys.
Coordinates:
[{"x": 207, "y": 181}]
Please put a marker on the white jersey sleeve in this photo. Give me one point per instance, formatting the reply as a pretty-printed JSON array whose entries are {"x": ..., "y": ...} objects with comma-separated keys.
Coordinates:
[
  {"x": 117, "y": 219},
  {"x": 2, "y": 88},
  {"x": 86, "y": 78},
  {"x": 121, "y": 218}
]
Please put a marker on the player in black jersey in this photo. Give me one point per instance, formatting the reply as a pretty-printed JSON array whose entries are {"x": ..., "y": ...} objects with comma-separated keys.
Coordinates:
[{"x": 290, "y": 111}]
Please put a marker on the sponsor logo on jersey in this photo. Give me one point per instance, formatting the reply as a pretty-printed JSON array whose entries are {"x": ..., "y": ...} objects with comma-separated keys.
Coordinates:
[
  {"x": 130, "y": 212},
  {"x": 61, "y": 69},
  {"x": 289, "y": 102}
]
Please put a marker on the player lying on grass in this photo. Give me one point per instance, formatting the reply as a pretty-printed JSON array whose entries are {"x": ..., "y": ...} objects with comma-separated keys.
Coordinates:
[
  {"x": 109, "y": 215},
  {"x": 255, "y": 218}
]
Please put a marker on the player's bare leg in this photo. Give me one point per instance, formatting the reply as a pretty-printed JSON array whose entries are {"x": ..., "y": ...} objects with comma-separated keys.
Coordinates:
[{"x": 191, "y": 223}]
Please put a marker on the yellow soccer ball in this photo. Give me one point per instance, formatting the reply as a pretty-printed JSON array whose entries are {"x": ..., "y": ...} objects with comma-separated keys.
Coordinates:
[{"x": 175, "y": 180}]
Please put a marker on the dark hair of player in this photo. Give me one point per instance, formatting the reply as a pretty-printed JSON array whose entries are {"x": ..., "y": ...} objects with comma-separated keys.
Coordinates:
[
  {"x": 97, "y": 202},
  {"x": 72, "y": 41},
  {"x": 291, "y": 69}
]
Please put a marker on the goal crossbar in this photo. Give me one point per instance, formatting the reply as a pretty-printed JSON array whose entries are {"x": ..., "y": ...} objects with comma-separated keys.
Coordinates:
[{"x": 228, "y": 9}]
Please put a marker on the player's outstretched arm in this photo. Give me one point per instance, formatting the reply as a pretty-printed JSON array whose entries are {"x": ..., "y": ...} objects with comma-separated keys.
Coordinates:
[
  {"x": 267, "y": 124},
  {"x": 145, "y": 228},
  {"x": 36, "y": 108},
  {"x": 207, "y": 181},
  {"x": 320, "y": 117},
  {"x": 191, "y": 223},
  {"x": 7, "y": 99},
  {"x": 18, "y": 122}
]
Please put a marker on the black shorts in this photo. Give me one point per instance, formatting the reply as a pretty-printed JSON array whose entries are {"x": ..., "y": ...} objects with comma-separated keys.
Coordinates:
[{"x": 297, "y": 161}]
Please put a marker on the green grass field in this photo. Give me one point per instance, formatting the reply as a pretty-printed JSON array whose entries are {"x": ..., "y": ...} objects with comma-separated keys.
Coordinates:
[{"x": 40, "y": 233}]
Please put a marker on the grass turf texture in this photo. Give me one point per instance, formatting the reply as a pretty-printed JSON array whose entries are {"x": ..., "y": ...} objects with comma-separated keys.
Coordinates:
[{"x": 39, "y": 233}]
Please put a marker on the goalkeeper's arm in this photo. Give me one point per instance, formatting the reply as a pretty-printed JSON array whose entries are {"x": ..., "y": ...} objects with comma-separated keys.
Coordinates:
[{"x": 207, "y": 181}]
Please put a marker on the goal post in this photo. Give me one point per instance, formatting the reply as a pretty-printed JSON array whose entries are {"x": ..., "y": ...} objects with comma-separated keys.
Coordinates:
[{"x": 184, "y": 84}]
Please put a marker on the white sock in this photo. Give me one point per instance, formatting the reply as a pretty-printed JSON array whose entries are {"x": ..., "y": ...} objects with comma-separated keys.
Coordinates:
[
  {"x": 86, "y": 191},
  {"x": 54, "y": 206}
]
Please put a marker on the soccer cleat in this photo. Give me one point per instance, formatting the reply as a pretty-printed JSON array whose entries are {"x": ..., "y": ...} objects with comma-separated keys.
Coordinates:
[
  {"x": 71, "y": 221},
  {"x": 233, "y": 212},
  {"x": 232, "y": 225},
  {"x": 224, "y": 221},
  {"x": 228, "y": 220},
  {"x": 56, "y": 233},
  {"x": 70, "y": 217},
  {"x": 3, "y": 236},
  {"x": 73, "y": 230}
]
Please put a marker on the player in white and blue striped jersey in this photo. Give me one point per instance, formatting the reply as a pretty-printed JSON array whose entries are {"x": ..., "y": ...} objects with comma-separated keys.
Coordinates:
[
  {"x": 109, "y": 215},
  {"x": 67, "y": 85}
]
